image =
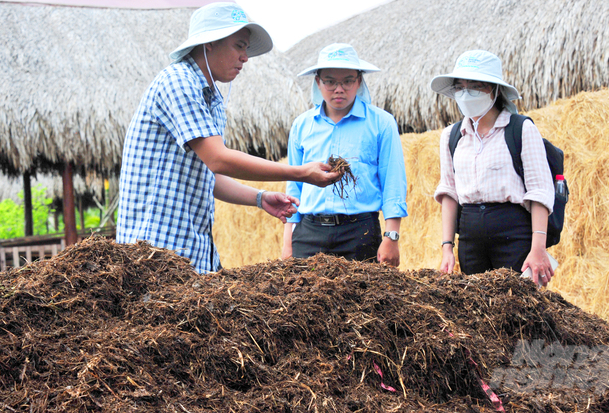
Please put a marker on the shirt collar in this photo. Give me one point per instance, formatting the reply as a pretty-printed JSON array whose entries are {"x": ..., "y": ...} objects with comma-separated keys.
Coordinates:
[
  {"x": 358, "y": 109},
  {"x": 216, "y": 97},
  {"x": 501, "y": 122}
]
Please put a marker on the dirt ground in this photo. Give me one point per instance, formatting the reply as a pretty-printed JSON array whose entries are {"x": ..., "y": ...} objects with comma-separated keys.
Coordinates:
[{"x": 104, "y": 327}]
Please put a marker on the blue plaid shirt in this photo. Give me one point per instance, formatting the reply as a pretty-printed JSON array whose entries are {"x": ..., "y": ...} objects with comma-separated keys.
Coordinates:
[{"x": 166, "y": 191}]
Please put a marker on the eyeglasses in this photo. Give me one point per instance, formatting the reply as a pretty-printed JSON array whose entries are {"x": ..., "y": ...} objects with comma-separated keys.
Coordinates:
[
  {"x": 331, "y": 84},
  {"x": 473, "y": 89}
]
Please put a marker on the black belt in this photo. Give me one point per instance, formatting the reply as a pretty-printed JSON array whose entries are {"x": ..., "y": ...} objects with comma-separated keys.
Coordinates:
[{"x": 339, "y": 219}]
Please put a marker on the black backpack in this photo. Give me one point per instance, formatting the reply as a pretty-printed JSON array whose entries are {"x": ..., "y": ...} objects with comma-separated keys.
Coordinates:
[{"x": 555, "y": 156}]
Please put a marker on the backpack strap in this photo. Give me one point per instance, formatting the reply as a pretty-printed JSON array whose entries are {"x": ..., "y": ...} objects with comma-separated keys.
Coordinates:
[
  {"x": 513, "y": 139},
  {"x": 455, "y": 135}
]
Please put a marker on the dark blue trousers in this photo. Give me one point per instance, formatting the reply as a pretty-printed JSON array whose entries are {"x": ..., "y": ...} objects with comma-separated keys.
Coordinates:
[
  {"x": 493, "y": 236},
  {"x": 355, "y": 237}
]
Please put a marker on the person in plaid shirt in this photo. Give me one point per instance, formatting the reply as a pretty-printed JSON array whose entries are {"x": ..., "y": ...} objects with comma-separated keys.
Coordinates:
[
  {"x": 504, "y": 220},
  {"x": 174, "y": 159}
]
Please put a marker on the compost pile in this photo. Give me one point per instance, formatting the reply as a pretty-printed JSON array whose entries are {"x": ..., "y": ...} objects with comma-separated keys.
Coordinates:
[{"x": 123, "y": 328}]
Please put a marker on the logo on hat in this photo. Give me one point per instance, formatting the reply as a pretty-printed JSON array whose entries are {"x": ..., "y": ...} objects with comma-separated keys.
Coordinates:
[
  {"x": 468, "y": 61},
  {"x": 239, "y": 16},
  {"x": 337, "y": 55}
]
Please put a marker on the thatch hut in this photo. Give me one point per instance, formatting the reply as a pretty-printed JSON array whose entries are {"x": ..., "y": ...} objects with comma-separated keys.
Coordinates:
[
  {"x": 549, "y": 49},
  {"x": 71, "y": 79},
  {"x": 89, "y": 192}
]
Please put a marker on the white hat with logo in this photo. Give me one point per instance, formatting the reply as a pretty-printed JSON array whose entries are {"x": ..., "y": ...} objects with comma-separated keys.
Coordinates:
[
  {"x": 481, "y": 66},
  {"x": 217, "y": 21},
  {"x": 339, "y": 56}
]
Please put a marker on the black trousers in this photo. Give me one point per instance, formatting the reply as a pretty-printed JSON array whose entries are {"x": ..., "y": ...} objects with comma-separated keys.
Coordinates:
[
  {"x": 493, "y": 236},
  {"x": 355, "y": 237}
]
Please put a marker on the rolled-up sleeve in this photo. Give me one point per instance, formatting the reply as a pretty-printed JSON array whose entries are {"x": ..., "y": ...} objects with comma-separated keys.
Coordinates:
[
  {"x": 447, "y": 171},
  {"x": 537, "y": 176}
]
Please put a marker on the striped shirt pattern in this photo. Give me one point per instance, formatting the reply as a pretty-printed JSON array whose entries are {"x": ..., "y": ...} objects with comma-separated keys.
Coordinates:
[
  {"x": 166, "y": 191},
  {"x": 484, "y": 172}
]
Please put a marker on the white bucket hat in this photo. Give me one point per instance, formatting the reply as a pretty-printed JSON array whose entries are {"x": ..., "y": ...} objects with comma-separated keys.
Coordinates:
[
  {"x": 339, "y": 56},
  {"x": 217, "y": 21},
  {"x": 477, "y": 65}
]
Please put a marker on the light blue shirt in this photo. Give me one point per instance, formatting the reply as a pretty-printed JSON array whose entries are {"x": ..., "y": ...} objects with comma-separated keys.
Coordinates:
[
  {"x": 166, "y": 191},
  {"x": 367, "y": 137}
]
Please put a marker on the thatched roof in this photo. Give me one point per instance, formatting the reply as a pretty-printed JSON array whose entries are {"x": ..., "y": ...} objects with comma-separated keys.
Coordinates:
[
  {"x": 71, "y": 79},
  {"x": 550, "y": 49},
  {"x": 264, "y": 101}
]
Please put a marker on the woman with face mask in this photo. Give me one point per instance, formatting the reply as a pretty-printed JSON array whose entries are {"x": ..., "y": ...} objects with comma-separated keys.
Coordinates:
[{"x": 503, "y": 220}]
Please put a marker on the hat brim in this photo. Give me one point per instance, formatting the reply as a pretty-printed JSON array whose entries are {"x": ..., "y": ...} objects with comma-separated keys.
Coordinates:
[
  {"x": 260, "y": 40},
  {"x": 362, "y": 67},
  {"x": 443, "y": 84}
]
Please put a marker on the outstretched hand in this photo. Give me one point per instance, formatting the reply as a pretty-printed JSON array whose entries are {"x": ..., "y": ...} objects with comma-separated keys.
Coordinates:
[
  {"x": 318, "y": 173},
  {"x": 279, "y": 205}
]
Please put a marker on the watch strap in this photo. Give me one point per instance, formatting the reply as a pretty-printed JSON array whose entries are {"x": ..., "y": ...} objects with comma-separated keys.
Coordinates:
[{"x": 259, "y": 198}]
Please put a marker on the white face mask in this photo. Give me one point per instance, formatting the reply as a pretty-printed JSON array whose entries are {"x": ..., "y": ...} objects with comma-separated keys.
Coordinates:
[{"x": 473, "y": 107}]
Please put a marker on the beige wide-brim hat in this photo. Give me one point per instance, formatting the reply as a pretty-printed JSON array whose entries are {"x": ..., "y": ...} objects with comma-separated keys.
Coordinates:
[
  {"x": 217, "y": 21},
  {"x": 481, "y": 66}
]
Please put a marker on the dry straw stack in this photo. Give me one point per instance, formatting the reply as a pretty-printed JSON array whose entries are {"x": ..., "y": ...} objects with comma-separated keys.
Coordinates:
[
  {"x": 550, "y": 49},
  {"x": 72, "y": 77},
  {"x": 580, "y": 126}
]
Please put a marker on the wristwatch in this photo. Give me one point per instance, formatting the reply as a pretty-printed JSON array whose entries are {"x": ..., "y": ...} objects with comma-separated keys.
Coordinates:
[
  {"x": 392, "y": 235},
  {"x": 259, "y": 198}
]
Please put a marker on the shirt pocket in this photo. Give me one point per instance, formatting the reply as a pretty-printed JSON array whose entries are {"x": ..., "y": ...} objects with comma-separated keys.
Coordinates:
[
  {"x": 496, "y": 166},
  {"x": 367, "y": 149},
  {"x": 497, "y": 161}
]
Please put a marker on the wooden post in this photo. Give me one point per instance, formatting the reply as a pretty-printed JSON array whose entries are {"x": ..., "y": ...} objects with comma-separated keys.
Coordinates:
[
  {"x": 2, "y": 259},
  {"x": 16, "y": 260},
  {"x": 56, "y": 219},
  {"x": 27, "y": 205},
  {"x": 82, "y": 214},
  {"x": 112, "y": 190},
  {"x": 103, "y": 199},
  {"x": 69, "y": 215}
]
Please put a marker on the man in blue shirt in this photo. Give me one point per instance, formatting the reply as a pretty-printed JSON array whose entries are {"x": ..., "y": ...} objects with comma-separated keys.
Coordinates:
[
  {"x": 174, "y": 158},
  {"x": 344, "y": 123}
]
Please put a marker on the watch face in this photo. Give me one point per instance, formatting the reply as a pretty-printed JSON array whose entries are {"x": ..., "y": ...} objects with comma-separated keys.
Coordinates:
[{"x": 392, "y": 235}]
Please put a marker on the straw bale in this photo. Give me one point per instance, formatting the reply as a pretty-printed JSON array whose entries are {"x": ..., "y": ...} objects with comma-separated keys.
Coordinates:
[
  {"x": 579, "y": 126},
  {"x": 71, "y": 79},
  {"x": 246, "y": 235},
  {"x": 549, "y": 49}
]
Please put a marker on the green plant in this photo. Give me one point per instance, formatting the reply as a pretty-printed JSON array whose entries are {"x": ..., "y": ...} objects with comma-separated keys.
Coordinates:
[
  {"x": 12, "y": 214},
  {"x": 11, "y": 219}
]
